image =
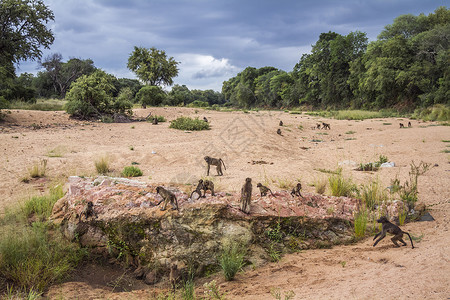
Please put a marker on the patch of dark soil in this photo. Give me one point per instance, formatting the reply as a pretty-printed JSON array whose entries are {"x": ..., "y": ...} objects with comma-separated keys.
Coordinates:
[{"x": 107, "y": 276}]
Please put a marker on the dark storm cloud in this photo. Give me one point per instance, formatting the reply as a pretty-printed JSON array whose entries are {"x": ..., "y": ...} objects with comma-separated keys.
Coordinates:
[{"x": 213, "y": 40}]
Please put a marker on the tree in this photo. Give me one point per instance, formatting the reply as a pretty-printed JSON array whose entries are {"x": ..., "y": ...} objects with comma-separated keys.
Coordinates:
[
  {"x": 151, "y": 95},
  {"x": 152, "y": 66},
  {"x": 90, "y": 96},
  {"x": 63, "y": 74},
  {"x": 23, "y": 30}
]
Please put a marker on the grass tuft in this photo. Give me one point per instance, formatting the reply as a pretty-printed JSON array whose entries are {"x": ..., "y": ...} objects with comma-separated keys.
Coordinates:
[
  {"x": 232, "y": 259},
  {"x": 361, "y": 219},
  {"x": 39, "y": 169},
  {"x": 341, "y": 186},
  {"x": 102, "y": 166}
]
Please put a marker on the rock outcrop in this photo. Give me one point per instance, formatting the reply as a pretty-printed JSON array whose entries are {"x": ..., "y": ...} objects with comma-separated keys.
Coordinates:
[{"x": 129, "y": 226}]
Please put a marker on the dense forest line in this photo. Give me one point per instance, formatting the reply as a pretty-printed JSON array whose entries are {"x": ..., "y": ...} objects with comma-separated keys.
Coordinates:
[{"x": 405, "y": 68}]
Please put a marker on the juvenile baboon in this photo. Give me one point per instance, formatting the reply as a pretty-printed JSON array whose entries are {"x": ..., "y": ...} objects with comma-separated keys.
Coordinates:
[
  {"x": 167, "y": 196},
  {"x": 246, "y": 195},
  {"x": 279, "y": 131},
  {"x": 296, "y": 190},
  {"x": 198, "y": 189},
  {"x": 409, "y": 124},
  {"x": 174, "y": 276},
  {"x": 281, "y": 123},
  {"x": 205, "y": 119},
  {"x": 264, "y": 189},
  {"x": 218, "y": 162},
  {"x": 155, "y": 121},
  {"x": 325, "y": 126},
  {"x": 392, "y": 229},
  {"x": 318, "y": 125},
  {"x": 401, "y": 125},
  {"x": 88, "y": 211},
  {"x": 208, "y": 185}
]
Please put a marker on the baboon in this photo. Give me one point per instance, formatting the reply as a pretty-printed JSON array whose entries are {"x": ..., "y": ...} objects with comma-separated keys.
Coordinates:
[
  {"x": 208, "y": 185},
  {"x": 215, "y": 162},
  {"x": 264, "y": 189},
  {"x": 174, "y": 276},
  {"x": 296, "y": 190},
  {"x": 88, "y": 211},
  {"x": 281, "y": 123},
  {"x": 325, "y": 126},
  {"x": 155, "y": 121},
  {"x": 205, "y": 119},
  {"x": 392, "y": 229},
  {"x": 318, "y": 126},
  {"x": 198, "y": 189},
  {"x": 279, "y": 131},
  {"x": 167, "y": 196},
  {"x": 401, "y": 125},
  {"x": 409, "y": 124},
  {"x": 246, "y": 195}
]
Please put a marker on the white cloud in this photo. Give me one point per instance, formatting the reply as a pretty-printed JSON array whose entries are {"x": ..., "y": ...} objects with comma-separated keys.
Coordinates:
[{"x": 199, "y": 71}]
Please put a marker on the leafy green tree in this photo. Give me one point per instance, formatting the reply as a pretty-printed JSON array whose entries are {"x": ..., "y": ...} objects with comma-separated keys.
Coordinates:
[
  {"x": 152, "y": 66},
  {"x": 180, "y": 94},
  {"x": 63, "y": 74},
  {"x": 151, "y": 95},
  {"x": 90, "y": 96}
]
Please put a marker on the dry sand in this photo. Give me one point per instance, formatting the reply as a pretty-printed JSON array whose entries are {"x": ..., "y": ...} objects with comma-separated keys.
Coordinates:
[{"x": 171, "y": 156}]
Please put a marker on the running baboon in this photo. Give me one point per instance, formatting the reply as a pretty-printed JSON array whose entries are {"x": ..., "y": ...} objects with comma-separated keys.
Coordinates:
[
  {"x": 205, "y": 119},
  {"x": 215, "y": 162},
  {"x": 281, "y": 123},
  {"x": 88, "y": 211},
  {"x": 392, "y": 229},
  {"x": 279, "y": 131},
  {"x": 264, "y": 189},
  {"x": 325, "y": 126},
  {"x": 401, "y": 125},
  {"x": 167, "y": 196},
  {"x": 174, "y": 276},
  {"x": 208, "y": 185},
  {"x": 246, "y": 195},
  {"x": 155, "y": 121},
  {"x": 296, "y": 190},
  {"x": 409, "y": 124},
  {"x": 198, "y": 189}
]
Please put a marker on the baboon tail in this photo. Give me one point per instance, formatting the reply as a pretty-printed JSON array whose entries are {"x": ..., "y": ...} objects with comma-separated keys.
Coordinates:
[
  {"x": 223, "y": 163},
  {"x": 412, "y": 245},
  {"x": 272, "y": 193}
]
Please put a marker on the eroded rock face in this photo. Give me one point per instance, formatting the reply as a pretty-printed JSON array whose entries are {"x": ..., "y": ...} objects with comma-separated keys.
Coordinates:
[{"x": 129, "y": 226}]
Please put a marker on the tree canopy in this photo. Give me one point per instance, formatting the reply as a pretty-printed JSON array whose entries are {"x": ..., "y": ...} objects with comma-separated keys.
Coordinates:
[{"x": 152, "y": 66}]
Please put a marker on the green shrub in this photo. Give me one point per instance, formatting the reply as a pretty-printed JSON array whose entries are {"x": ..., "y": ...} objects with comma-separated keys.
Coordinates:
[
  {"x": 131, "y": 171},
  {"x": 232, "y": 259},
  {"x": 90, "y": 96},
  {"x": 198, "y": 103},
  {"x": 186, "y": 123},
  {"x": 438, "y": 112},
  {"x": 102, "y": 166},
  {"x": 150, "y": 95},
  {"x": 41, "y": 104},
  {"x": 341, "y": 186}
]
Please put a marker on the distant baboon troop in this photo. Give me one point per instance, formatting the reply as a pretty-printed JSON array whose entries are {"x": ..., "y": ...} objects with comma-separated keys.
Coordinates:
[
  {"x": 218, "y": 162},
  {"x": 388, "y": 227},
  {"x": 322, "y": 125}
]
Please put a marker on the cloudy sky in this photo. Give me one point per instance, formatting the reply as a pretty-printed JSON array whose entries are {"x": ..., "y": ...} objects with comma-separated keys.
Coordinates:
[{"x": 212, "y": 39}]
